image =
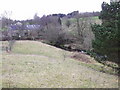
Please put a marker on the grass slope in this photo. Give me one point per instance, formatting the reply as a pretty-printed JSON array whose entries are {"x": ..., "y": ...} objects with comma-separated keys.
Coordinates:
[{"x": 33, "y": 64}]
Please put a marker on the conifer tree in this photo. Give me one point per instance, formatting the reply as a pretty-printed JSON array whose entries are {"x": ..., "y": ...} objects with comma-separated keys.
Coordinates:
[{"x": 107, "y": 35}]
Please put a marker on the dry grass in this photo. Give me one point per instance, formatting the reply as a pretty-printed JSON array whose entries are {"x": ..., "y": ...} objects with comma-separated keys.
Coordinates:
[{"x": 33, "y": 64}]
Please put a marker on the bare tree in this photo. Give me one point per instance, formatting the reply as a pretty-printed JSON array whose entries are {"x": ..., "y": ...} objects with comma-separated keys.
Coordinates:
[
  {"x": 81, "y": 25},
  {"x": 6, "y": 20},
  {"x": 85, "y": 34},
  {"x": 52, "y": 28},
  {"x": 36, "y": 19},
  {"x": 52, "y": 33}
]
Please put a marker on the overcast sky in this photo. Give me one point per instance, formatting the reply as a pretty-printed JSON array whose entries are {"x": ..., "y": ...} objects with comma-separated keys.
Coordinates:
[{"x": 26, "y": 9}]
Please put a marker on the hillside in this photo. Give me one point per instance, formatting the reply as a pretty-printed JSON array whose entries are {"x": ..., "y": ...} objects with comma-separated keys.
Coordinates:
[{"x": 33, "y": 64}]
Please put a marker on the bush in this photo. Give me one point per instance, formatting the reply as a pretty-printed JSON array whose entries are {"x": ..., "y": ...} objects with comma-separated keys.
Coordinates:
[{"x": 68, "y": 23}]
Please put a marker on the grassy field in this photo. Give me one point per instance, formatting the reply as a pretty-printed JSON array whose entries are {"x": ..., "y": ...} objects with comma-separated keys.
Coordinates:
[{"x": 33, "y": 64}]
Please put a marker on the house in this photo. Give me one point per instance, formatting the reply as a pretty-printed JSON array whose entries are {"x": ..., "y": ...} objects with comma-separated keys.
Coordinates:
[
  {"x": 23, "y": 27},
  {"x": 32, "y": 27}
]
